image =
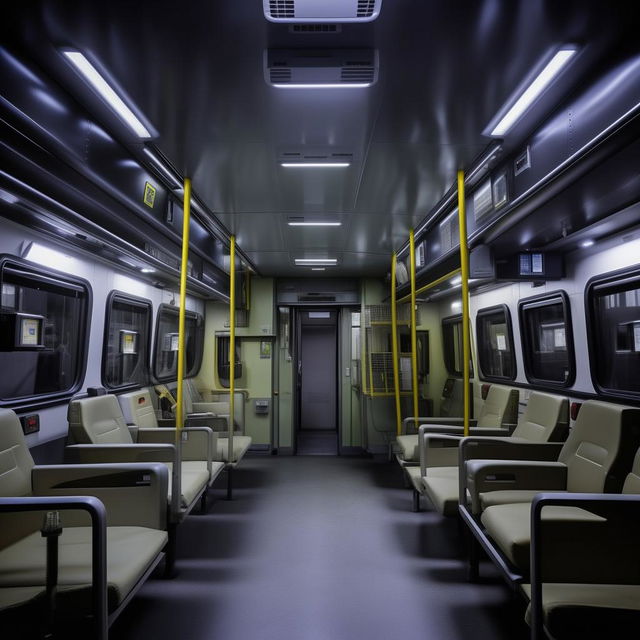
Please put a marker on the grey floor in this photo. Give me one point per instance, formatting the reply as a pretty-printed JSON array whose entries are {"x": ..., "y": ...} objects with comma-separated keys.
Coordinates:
[{"x": 320, "y": 548}]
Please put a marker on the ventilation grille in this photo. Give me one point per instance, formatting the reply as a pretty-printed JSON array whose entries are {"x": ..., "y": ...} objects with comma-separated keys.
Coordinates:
[
  {"x": 286, "y": 8},
  {"x": 315, "y": 28},
  {"x": 357, "y": 74},
  {"x": 280, "y": 75},
  {"x": 365, "y": 8},
  {"x": 316, "y": 297}
]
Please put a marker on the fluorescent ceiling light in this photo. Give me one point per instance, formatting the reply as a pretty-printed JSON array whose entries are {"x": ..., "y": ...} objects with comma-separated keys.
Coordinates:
[
  {"x": 148, "y": 270},
  {"x": 456, "y": 305},
  {"x": 587, "y": 243},
  {"x": 51, "y": 258},
  {"x": 456, "y": 280},
  {"x": 341, "y": 85},
  {"x": 164, "y": 170},
  {"x": 539, "y": 84},
  {"x": 316, "y": 261},
  {"x": 317, "y": 269},
  {"x": 106, "y": 91},
  {"x": 314, "y": 224},
  {"x": 312, "y": 165}
]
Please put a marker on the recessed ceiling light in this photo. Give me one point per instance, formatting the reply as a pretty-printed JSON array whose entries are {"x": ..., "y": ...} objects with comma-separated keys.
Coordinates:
[
  {"x": 315, "y": 165},
  {"x": 148, "y": 270},
  {"x": 316, "y": 261},
  {"x": 317, "y": 268},
  {"x": 314, "y": 224},
  {"x": 587, "y": 243},
  {"x": 343, "y": 85},
  {"x": 106, "y": 92},
  {"x": 533, "y": 90}
]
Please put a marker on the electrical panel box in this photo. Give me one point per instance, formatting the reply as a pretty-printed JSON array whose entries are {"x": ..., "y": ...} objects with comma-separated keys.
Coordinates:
[
  {"x": 30, "y": 424},
  {"x": 261, "y": 406},
  {"x": 21, "y": 331}
]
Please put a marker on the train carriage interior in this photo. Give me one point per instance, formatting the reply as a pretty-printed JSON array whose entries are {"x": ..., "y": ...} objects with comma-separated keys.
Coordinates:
[{"x": 320, "y": 319}]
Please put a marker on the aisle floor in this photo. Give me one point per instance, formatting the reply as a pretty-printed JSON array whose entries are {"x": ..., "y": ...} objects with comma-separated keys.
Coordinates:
[{"x": 320, "y": 548}]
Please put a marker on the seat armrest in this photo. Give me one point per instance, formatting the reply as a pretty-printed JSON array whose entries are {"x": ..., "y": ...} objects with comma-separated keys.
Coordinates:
[
  {"x": 447, "y": 425},
  {"x": 133, "y": 494},
  {"x": 203, "y": 407},
  {"x": 479, "y": 476},
  {"x": 214, "y": 422},
  {"x": 98, "y": 515},
  {"x": 103, "y": 453},
  {"x": 438, "y": 450},
  {"x": 614, "y": 543}
]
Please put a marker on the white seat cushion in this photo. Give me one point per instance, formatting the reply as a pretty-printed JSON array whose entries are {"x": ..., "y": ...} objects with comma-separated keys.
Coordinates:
[
  {"x": 240, "y": 446},
  {"x": 408, "y": 446}
]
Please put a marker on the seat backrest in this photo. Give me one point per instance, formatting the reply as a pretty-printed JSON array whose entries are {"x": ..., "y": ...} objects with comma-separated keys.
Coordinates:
[
  {"x": 546, "y": 417},
  {"x": 137, "y": 408},
  {"x": 600, "y": 448},
  {"x": 500, "y": 407},
  {"x": 191, "y": 390},
  {"x": 15, "y": 458},
  {"x": 98, "y": 420},
  {"x": 632, "y": 481}
]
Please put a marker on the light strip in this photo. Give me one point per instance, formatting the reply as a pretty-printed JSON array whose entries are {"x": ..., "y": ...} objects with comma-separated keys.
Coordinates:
[
  {"x": 106, "y": 91},
  {"x": 314, "y": 224},
  {"x": 312, "y": 165},
  {"x": 316, "y": 261},
  {"x": 166, "y": 172},
  {"x": 317, "y": 268},
  {"x": 346, "y": 85},
  {"x": 539, "y": 84}
]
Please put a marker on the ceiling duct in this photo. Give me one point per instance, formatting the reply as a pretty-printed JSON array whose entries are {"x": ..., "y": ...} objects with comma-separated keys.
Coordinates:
[
  {"x": 301, "y": 11},
  {"x": 325, "y": 68}
]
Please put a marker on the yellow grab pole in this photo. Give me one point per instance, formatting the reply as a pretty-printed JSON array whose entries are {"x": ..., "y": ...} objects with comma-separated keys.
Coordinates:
[
  {"x": 430, "y": 285},
  {"x": 414, "y": 338},
  {"x": 183, "y": 301},
  {"x": 464, "y": 269},
  {"x": 394, "y": 345},
  {"x": 232, "y": 344}
]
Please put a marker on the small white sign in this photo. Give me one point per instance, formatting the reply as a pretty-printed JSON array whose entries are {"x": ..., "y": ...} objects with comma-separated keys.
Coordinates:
[
  {"x": 559, "y": 338},
  {"x": 501, "y": 341},
  {"x": 636, "y": 336}
]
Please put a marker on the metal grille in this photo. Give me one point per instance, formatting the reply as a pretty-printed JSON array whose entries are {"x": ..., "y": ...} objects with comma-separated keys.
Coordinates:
[
  {"x": 357, "y": 74},
  {"x": 280, "y": 76},
  {"x": 365, "y": 8},
  {"x": 282, "y": 8},
  {"x": 380, "y": 314},
  {"x": 314, "y": 28}
]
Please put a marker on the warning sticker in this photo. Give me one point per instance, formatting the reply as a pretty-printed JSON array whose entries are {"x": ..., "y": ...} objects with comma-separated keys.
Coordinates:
[{"x": 149, "y": 194}]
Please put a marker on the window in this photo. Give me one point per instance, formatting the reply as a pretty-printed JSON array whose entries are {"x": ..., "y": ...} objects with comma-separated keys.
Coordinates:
[
  {"x": 495, "y": 343},
  {"x": 547, "y": 340},
  {"x": 223, "y": 347},
  {"x": 125, "y": 360},
  {"x": 43, "y": 333},
  {"x": 165, "y": 364},
  {"x": 452, "y": 346},
  {"x": 613, "y": 313}
]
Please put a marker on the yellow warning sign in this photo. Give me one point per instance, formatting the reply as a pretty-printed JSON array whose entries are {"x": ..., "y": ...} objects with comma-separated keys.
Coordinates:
[{"x": 149, "y": 194}]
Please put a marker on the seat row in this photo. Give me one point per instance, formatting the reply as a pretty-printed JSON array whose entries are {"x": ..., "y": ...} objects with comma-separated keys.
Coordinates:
[
  {"x": 558, "y": 512},
  {"x": 78, "y": 540}
]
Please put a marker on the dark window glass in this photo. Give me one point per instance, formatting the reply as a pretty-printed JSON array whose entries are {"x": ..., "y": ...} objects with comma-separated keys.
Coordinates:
[
  {"x": 452, "y": 346},
  {"x": 495, "y": 343},
  {"x": 52, "y": 364},
  {"x": 224, "y": 368},
  {"x": 165, "y": 365},
  {"x": 547, "y": 342},
  {"x": 614, "y": 314},
  {"x": 125, "y": 361}
]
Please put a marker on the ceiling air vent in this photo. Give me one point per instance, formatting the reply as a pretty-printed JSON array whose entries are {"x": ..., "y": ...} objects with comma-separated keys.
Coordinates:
[
  {"x": 321, "y": 68},
  {"x": 366, "y": 8},
  {"x": 316, "y": 297},
  {"x": 321, "y": 11},
  {"x": 315, "y": 28},
  {"x": 280, "y": 9}
]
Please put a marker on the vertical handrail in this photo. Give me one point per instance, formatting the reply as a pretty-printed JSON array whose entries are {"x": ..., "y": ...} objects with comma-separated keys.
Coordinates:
[
  {"x": 394, "y": 345},
  {"x": 464, "y": 270},
  {"x": 182, "y": 310},
  {"x": 414, "y": 339},
  {"x": 232, "y": 345}
]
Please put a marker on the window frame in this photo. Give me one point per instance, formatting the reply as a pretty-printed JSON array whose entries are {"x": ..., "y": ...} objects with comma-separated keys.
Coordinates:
[
  {"x": 199, "y": 343},
  {"x": 544, "y": 300},
  {"x": 487, "y": 311},
  {"x": 62, "y": 280},
  {"x": 608, "y": 280},
  {"x": 121, "y": 296},
  {"x": 451, "y": 320}
]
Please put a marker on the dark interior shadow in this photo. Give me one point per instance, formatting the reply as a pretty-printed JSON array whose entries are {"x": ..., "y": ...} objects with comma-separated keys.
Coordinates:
[{"x": 435, "y": 538}]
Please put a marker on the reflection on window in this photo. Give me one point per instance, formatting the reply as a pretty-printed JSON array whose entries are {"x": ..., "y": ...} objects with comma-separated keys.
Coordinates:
[
  {"x": 546, "y": 339},
  {"x": 495, "y": 343},
  {"x": 125, "y": 360},
  {"x": 452, "y": 346},
  {"x": 614, "y": 314},
  {"x": 165, "y": 365},
  {"x": 44, "y": 325}
]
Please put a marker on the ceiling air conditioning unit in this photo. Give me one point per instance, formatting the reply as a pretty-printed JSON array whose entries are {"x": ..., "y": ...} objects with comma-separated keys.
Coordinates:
[
  {"x": 321, "y": 10},
  {"x": 304, "y": 68}
]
